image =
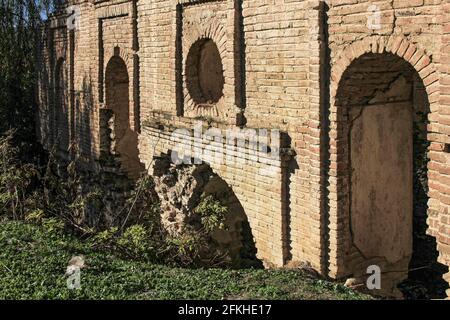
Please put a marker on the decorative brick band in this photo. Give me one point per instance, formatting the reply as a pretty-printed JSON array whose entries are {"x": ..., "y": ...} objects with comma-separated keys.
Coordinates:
[{"x": 114, "y": 11}]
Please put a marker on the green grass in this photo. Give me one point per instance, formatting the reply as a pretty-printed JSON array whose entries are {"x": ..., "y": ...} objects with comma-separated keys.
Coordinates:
[{"x": 33, "y": 261}]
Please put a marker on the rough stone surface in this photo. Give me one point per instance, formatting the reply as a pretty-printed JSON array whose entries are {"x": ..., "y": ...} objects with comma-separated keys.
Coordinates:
[{"x": 181, "y": 189}]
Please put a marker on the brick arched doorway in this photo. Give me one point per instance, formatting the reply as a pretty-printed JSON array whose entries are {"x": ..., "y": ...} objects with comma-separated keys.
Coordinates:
[
  {"x": 190, "y": 195},
  {"x": 61, "y": 116},
  {"x": 123, "y": 140},
  {"x": 382, "y": 112}
]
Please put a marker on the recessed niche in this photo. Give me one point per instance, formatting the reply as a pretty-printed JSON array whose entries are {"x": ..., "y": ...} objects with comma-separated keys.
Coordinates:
[
  {"x": 210, "y": 60},
  {"x": 204, "y": 72}
]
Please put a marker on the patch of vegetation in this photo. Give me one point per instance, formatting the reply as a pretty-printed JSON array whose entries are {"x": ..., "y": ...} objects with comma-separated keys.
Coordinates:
[
  {"x": 34, "y": 258},
  {"x": 55, "y": 196},
  {"x": 212, "y": 213}
]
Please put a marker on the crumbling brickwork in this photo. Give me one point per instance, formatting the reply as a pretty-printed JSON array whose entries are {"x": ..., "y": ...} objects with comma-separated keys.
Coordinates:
[{"x": 306, "y": 68}]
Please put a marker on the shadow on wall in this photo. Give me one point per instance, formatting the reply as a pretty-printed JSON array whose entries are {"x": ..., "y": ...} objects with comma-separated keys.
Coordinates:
[
  {"x": 181, "y": 188},
  {"x": 124, "y": 139},
  {"x": 61, "y": 106},
  {"x": 45, "y": 91},
  {"x": 84, "y": 111},
  {"x": 425, "y": 276},
  {"x": 64, "y": 116},
  {"x": 237, "y": 236}
]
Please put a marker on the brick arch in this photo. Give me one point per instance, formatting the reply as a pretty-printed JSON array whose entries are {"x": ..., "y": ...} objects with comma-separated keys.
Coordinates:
[
  {"x": 216, "y": 32},
  {"x": 187, "y": 183},
  {"x": 359, "y": 59},
  {"x": 124, "y": 53},
  {"x": 118, "y": 92},
  {"x": 165, "y": 151},
  {"x": 128, "y": 58},
  {"x": 116, "y": 66},
  {"x": 397, "y": 45},
  {"x": 213, "y": 31},
  {"x": 58, "y": 60}
]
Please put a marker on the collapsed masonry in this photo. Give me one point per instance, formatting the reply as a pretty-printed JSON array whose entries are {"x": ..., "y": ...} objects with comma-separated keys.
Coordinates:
[
  {"x": 181, "y": 189},
  {"x": 360, "y": 92}
]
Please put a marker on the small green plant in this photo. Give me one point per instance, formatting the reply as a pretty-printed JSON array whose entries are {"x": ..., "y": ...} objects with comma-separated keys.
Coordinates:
[
  {"x": 35, "y": 216},
  {"x": 138, "y": 243},
  {"x": 104, "y": 238},
  {"x": 184, "y": 248},
  {"x": 192, "y": 247},
  {"x": 53, "y": 226},
  {"x": 212, "y": 213}
]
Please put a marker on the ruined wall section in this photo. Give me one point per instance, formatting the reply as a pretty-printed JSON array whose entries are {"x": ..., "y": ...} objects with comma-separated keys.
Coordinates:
[
  {"x": 256, "y": 181},
  {"x": 101, "y": 30},
  {"x": 167, "y": 30},
  {"x": 52, "y": 55},
  {"x": 271, "y": 65},
  {"x": 274, "y": 59},
  {"x": 85, "y": 78}
]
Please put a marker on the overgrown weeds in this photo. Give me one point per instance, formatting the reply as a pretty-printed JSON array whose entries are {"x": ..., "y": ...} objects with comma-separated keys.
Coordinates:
[{"x": 60, "y": 198}]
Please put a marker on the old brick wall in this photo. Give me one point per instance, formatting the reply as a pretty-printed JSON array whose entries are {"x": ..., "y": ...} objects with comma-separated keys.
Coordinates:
[
  {"x": 52, "y": 91},
  {"x": 412, "y": 31},
  {"x": 274, "y": 50},
  {"x": 283, "y": 62},
  {"x": 440, "y": 226}
]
